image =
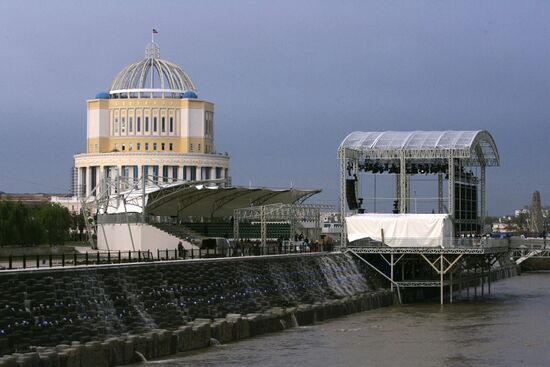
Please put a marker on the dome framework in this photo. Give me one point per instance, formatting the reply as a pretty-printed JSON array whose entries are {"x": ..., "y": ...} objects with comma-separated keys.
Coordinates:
[{"x": 151, "y": 77}]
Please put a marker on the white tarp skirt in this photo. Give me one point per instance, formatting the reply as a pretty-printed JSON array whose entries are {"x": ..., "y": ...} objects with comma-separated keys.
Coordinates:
[{"x": 401, "y": 230}]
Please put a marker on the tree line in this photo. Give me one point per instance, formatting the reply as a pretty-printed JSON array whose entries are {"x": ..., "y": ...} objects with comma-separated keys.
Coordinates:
[{"x": 47, "y": 223}]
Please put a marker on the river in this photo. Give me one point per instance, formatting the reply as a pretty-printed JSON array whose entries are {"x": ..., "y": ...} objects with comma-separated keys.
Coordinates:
[{"x": 510, "y": 327}]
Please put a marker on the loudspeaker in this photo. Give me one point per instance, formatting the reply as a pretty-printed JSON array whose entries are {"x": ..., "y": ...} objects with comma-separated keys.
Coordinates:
[{"x": 350, "y": 194}]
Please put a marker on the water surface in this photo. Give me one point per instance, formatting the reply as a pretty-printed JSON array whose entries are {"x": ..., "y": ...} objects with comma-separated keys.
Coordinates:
[{"x": 510, "y": 327}]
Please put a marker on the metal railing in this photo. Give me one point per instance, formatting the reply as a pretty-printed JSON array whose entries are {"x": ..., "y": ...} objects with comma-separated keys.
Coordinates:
[
  {"x": 446, "y": 242},
  {"x": 75, "y": 259}
]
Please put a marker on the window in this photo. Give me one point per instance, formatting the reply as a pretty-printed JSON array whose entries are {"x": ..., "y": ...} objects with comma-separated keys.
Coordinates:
[
  {"x": 123, "y": 147},
  {"x": 191, "y": 147},
  {"x": 156, "y": 174},
  {"x": 130, "y": 127},
  {"x": 171, "y": 124},
  {"x": 138, "y": 146},
  {"x": 116, "y": 146},
  {"x": 116, "y": 125},
  {"x": 165, "y": 173},
  {"x": 198, "y": 150},
  {"x": 138, "y": 124},
  {"x": 208, "y": 123},
  {"x": 174, "y": 172},
  {"x": 123, "y": 125},
  {"x": 146, "y": 146},
  {"x": 130, "y": 146},
  {"x": 155, "y": 124},
  {"x": 154, "y": 146},
  {"x": 163, "y": 123},
  {"x": 161, "y": 146},
  {"x": 147, "y": 124},
  {"x": 171, "y": 146}
]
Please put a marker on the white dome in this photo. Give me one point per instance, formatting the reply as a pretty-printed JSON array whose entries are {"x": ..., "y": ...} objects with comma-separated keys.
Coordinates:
[{"x": 151, "y": 77}]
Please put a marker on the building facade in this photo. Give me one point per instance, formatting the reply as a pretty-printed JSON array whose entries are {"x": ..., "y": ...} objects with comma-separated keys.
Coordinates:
[{"x": 151, "y": 123}]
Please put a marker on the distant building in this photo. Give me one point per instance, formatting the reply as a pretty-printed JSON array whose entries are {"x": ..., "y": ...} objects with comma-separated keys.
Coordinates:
[
  {"x": 72, "y": 203},
  {"x": 26, "y": 199},
  {"x": 150, "y": 123},
  {"x": 505, "y": 227}
]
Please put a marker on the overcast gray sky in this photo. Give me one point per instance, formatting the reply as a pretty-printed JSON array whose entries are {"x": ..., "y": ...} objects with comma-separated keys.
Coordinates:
[{"x": 290, "y": 79}]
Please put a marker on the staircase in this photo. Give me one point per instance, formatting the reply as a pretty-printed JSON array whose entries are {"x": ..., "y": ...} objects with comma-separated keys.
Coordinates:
[{"x": 180, "y": 231}]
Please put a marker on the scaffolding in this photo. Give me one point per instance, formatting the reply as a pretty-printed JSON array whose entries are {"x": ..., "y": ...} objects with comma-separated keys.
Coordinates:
[
  {"x": 293, "y": 214},
  {"x": 454, "y": 268},
  {"x": 446, "y": 154}
]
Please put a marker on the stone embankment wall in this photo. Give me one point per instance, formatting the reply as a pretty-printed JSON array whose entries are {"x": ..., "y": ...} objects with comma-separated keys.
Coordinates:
[{"x": 103, "y": 315}]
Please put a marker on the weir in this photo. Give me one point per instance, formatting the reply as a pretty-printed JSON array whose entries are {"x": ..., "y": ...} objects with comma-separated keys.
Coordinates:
[{"x": 50, "y": 307}]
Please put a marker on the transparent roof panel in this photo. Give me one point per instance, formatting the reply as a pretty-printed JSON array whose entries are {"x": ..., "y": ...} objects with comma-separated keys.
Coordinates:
[{"x": 478, "y": 145}]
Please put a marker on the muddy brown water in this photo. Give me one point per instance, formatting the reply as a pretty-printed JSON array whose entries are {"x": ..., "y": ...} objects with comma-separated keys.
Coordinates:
[{"x": 510, "y": 327}]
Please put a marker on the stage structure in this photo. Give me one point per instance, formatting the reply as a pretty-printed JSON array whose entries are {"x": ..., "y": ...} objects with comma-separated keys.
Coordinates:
[
  {"x": 293, "y": 214},
  {"x": 450, "y": 155},
  {"x": 440, "y": 249},
  {"x": 149, "y": 213}
]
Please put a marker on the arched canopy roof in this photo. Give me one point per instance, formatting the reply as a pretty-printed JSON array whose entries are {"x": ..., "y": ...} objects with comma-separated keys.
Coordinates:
[
  {"x": 184, "y": 199},
  {"x": 475, "y": 148}
]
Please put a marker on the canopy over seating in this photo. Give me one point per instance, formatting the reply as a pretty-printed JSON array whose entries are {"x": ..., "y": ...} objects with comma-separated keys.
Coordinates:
[{"x": 197, "y": 200}]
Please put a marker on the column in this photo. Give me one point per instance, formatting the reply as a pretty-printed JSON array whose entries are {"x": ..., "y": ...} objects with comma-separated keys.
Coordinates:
[
  {"x": 88, "y": 181},
  {"x": 402, "y": 184},
  {"x": 161, "y": 173},
  {"x": 170, "y": 174},
  {"x": 78, "y": 182},
  {"x": 180, "y": 172}
]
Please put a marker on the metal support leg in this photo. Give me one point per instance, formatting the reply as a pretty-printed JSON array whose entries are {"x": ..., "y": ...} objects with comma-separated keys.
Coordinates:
[
  {"x": 440, "y": 193},
  {"x": 441, "y": 278},
  {"x": 482, "y": 282},
  {"x": 489, "y": 281},
  {"x": 391, "y": 272},
  {"x": 451, "y": 287}
]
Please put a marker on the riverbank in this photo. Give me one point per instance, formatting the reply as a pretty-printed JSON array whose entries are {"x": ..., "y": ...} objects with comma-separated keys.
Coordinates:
[{"x": 60, "y": 306}]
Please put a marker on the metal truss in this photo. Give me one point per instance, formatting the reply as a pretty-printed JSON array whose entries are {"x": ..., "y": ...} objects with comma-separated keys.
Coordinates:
[
  {"x": 428, "y": 250},
  {"x": 288, "y": 213},
  {"x": 469, "y": 264}
]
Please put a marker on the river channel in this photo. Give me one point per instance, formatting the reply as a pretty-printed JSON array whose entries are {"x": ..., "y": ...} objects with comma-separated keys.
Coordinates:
[{"x": 510, "y": 327}]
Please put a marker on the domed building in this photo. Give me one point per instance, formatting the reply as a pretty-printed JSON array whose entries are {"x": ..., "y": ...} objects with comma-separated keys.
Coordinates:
[{"x": 151, "y": 122}]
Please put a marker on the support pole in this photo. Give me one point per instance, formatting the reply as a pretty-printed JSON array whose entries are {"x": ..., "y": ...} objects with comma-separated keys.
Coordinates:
[
  {"x": 451, "y": 190},
  {"x": 489, "y": 280},
  {"x": 391, "y": 272},
  {"x": 482, "y": 281},
  {"x": 402, "y": 184},
  {"x": 378, "y": 271},
  {"x": 441, "y": 278},
  {"x": 342, "y": 157},
  {"x": 263, "y": 226},
  {"x": 143, "y": 178},
  {"x": 482, "y": 198},
  {"x": 440, "y": 193},
  {"x": 451, "y": 287}
]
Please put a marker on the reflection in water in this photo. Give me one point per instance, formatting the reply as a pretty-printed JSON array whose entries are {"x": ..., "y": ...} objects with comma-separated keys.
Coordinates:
[{"x": 508, "y": 328}]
